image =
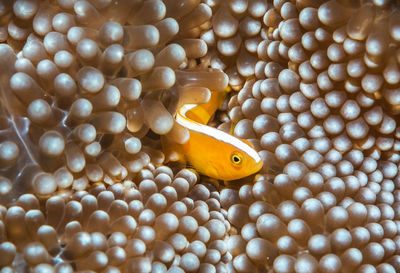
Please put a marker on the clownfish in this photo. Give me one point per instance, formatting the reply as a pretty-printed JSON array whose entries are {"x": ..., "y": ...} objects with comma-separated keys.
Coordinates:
[{"x": 213, "y": 152}]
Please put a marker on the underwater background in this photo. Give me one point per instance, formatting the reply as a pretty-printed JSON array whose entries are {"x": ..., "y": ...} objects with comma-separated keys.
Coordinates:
[{"x": 90, "y": 88}]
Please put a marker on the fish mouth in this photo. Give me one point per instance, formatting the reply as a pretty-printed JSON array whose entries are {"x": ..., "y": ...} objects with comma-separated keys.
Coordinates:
[
  {"x": 250, "y": 172},
  {"x": 255, "y": 169}
]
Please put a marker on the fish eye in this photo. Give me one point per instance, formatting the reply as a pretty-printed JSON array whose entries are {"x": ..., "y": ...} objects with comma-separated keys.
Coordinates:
[{"x": 236, "y": 159}]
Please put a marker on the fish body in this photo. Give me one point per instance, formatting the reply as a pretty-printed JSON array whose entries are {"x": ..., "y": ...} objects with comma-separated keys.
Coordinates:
[{"x": 213, "y": 152}]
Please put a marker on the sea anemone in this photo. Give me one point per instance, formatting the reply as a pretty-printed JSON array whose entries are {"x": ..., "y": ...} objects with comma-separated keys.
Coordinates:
[{"x": 88, "y": 88}]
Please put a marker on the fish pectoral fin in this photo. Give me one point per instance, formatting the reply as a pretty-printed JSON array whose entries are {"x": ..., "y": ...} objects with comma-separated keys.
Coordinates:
[{"x": 173, "y": 151}]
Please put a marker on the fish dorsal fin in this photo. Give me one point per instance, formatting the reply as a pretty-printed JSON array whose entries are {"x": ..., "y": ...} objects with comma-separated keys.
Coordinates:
[
  {"x": 199, "y": 114},
  {"x": 202, "y": 113}
]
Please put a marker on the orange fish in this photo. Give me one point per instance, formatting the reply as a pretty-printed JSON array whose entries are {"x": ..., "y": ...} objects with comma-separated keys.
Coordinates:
[{"x": 210, "y": 151}]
